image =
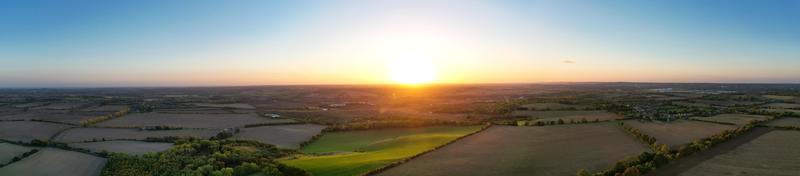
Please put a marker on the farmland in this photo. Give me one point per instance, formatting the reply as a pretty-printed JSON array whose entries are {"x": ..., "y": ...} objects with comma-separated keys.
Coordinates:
[
  {"x": 794, "y": 122},
  {"x": 231, "y": 105},
  {"x": 739, "y": 119},
  {"x": 550, "y": 106},
  {"x": 50, "y": 161},
  {"x": 780, "y": 97},
  {"x": 189, "y": 120},
  {"x": 353, "y": 130},
  {"x": 128, "y": 147},
  {"x": 27, "y": 131},
  {"x": 284, "y": 136},
  {"x": 69, "y": 117},
  {"x": 548, "y": 150},
  {"x": 8, "y": 151},
  {"x": 548, "y": 116},
  {"x": 769, "y": 154},
  {"x": 680, "y": 132},
  {"x": 782, "y": 105},
  {"x": 358, "y": 152},
  {"x": 98, "y": 134}
]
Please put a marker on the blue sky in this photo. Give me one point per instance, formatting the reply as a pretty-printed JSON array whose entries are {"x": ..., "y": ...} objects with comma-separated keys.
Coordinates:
[{"x": 89, "y": 43}]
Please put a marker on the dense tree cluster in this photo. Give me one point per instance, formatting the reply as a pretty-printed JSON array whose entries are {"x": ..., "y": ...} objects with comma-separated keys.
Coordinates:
[{"x": 205, "y": 157}]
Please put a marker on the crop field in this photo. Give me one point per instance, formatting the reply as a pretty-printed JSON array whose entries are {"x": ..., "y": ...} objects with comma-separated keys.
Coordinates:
[
  {"x": 545, "y": 150},
  {"x": 189, "y": 120},
  {"x": 60, "y": 106},
  {"x": 795, "y": 112},
  {"x": 780, "y": 97},
  {"x": 107, "y": 108},
  {"x": 679, "y": 132},
  {"x": 129, "y": 147},
  {"x": 795, "y": 122},
  {"x": 551, "y": 106},
  {"x": 567, "y": 115},
  {"x": 769, "y": 154},
  {"x": 230, "y": 105},
  {"x": 284, "y": 136},
  {"x": 739, "y": 119},
  {"x": 728, "y": 103},
  {"x": 50, "y": 161},
  {"x": 27, "y": 131},
  {"x": 358, "y": 152},
  {"x": 782, "y": 105},
  {"x": 91, "y": 134},
  {"x": 8, "y": 151},
  {"x": 69, "y": 117}
]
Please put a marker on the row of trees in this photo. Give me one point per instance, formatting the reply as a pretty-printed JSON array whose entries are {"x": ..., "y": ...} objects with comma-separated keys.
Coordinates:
[
  {"x": 647, "y": 139},
  {"x": 707, "y": 143},
  {"x": 647, "y": 161},
  {"x": 545, "y": 122},
  {"x": 98, "y": 119},
  {"x": 394, "y": 123},
  {"x": 205, "y": 157}
]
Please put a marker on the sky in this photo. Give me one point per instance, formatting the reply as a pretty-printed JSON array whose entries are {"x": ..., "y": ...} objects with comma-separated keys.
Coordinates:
[{"x": 100, "y": 43}]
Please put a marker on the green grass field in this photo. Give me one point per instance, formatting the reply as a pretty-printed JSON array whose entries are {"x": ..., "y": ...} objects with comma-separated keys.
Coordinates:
[{"x": 358, "y": 152}]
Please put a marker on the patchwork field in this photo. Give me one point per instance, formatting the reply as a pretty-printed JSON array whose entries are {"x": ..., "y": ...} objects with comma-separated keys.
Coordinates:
[
  {"x": 70, "y": 117},
  {"x": 739, "y": 119},
  {"x": 90, "y": 134},
  {"x": 27, "y": 131},
  {"x": 510, "y": 150},
  {"x": 548, "y": 116},
  {"x": 358, "y": 152},
  {"x": 679, "y": 132},
  {"x": 50, "y": 161},
  {"x": 770, "y": 154},
  {"x": 8, "y": 151},
  {"x": 551, "y": 106},
  {"x": 129, "y": 147},
  {"x": 795, "y": 122},
  {"x": 189, "y": 120},
  {"x": 284, "y": 136}
]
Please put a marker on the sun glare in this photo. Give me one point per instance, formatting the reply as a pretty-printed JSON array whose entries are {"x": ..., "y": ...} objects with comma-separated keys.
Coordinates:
[{"x": 412, "y": 72}]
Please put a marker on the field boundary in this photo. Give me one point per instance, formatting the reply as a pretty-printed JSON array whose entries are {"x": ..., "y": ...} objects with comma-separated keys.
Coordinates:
[
  {"x": 681, "y": 164},
  {"x": 20, "y": 157},
  {"x": 397, "y": 163},
  {"x": 711, "y": 121}
]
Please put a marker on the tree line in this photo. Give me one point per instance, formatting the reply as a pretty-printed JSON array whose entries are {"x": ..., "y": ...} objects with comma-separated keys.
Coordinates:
[
  {"x": 205, "y": 157},
  {"x": 647, "y": 161}
]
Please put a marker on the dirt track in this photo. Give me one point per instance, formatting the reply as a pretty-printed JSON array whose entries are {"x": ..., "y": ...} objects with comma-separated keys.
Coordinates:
[{"x": 681, "y": 165}]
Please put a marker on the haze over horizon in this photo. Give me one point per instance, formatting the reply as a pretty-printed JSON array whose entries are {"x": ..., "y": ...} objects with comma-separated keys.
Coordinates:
[{"x": 97, "y": 43}]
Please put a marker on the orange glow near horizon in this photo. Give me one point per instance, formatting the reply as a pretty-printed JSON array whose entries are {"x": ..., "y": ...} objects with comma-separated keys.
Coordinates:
[{"x": 412, "y": 72}]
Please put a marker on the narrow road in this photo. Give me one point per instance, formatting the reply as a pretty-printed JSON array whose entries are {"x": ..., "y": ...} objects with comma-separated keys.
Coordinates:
[{"x": 681, "y": 165}]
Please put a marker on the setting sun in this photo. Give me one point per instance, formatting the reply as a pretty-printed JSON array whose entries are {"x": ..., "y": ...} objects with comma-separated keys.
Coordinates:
[{"x": 412, "y": 71}]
